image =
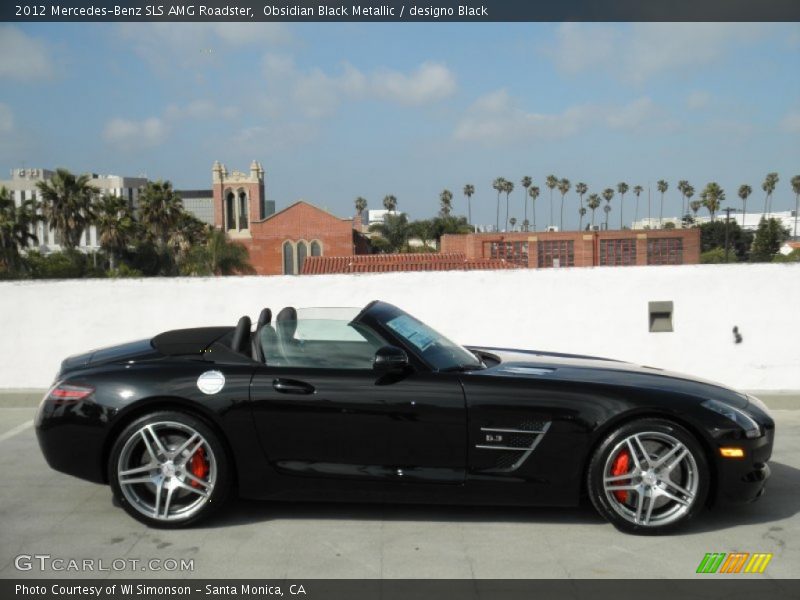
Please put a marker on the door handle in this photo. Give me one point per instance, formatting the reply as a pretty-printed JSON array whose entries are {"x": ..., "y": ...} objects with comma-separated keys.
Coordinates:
[{"x": 288, "y": 386}]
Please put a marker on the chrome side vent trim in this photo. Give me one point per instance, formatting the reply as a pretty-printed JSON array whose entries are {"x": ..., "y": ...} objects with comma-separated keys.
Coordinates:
[{"x": 515, "y": 445}]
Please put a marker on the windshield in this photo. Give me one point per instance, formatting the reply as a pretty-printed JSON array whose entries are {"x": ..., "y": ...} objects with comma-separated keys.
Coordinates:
[{"x": 437, "y": 350}]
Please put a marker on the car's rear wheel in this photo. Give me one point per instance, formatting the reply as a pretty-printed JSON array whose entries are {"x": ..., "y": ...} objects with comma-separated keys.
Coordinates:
[
  {"x": 169, "y": 469},
  {"x": 649, "y": 476}
]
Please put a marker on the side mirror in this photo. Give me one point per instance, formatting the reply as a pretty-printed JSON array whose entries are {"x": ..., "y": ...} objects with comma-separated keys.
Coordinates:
[{"x": 390, "y": 358}]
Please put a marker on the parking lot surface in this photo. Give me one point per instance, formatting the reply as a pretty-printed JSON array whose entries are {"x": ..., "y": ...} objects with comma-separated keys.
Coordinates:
[{"x": 45, "y": 512}]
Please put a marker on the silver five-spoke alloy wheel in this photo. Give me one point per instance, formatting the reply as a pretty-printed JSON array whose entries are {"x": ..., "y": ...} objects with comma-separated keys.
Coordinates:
[
  {"x": 651, "y": 479},
  {"x": 166, "y": 471}
]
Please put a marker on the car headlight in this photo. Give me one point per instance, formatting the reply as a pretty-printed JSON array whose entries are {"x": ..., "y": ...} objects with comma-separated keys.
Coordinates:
[{"x": 741, "y": 418}]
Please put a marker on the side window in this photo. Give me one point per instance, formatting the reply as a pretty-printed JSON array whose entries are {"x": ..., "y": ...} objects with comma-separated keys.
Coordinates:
[{"x": 321, "y": 344}]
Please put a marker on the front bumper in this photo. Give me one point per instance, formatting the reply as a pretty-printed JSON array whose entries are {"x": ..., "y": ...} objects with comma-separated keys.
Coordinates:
[{"x": 744, "y": 479}]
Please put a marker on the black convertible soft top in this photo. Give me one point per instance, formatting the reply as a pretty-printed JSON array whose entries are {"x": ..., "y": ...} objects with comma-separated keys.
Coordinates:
[{"x": 188, "y": 341}]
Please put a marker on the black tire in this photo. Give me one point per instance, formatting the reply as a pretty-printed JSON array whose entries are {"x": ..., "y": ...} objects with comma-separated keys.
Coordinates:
[
  {"x": 673, "y": 493},
  {"x": 185, "y": 501}
]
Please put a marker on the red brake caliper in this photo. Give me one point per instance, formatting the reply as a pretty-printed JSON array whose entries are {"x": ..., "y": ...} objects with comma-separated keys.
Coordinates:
[
  {"x": 621, "y": 466},
  {"x": 198, "y": 465}
]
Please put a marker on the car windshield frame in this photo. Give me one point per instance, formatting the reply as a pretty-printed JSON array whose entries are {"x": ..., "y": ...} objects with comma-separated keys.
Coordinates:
[{"x": 434, "y": 349}]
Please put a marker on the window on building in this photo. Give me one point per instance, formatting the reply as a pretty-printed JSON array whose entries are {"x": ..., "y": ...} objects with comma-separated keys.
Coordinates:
[
  {"x": 513, "y": 252},
  {"x": 665, "y": 251},
  {"x": 316, "y": 248},
  {"x": 288, "y": 258},
  {"x": 230, "y": 211},
  {"x": 302, "y": 252},
  {"x": 556, "y": 253},
  {"x": 618, "y": 252},
  {"x": 242, "y": 211}
]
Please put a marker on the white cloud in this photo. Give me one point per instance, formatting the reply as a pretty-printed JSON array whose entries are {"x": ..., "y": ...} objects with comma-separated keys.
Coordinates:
[
  {"x": 316, "y": 93},
  {"x": 6, "y": 119},
  {"x": 498, "y": 118},
  {"x": 135, "y": 134},
  {"x": 697, "y": 100},
  {"x": 641, "y": 51},
  {"x": 23, "y": 57},
  {"x": 791, "y": 122}
]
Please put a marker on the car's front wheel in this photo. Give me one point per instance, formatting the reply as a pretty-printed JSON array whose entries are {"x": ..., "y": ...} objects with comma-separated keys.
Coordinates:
[
  {"x": 169, "y": 469},
  {"x": 649, "y": 476}
]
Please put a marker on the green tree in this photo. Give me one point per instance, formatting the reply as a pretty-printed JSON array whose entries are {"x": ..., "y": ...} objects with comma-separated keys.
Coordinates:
[
  {"x": 217, "y": 256},
  {"x": 67, "y": 205},
  {"x": 445, "y": 202},
  {"x": 499, "y": 185},
  {"x": 526, "y": 183},
  {"x": 508, "y": 187},
  {"x": 16, "y": 231},
  {"x": 361, "y": 205},
  {"x": 712, "y": 197},
  {"x": 637, "y": 191},
  {"x": 581, "y": 189},
  {"x": 682, "y": 185},
  {"x": 533, "y": 192},
  {"x": 390, "y": 203},
  {"x": 744, "y": 193},
  {"x": 394, "y": 231},
  {"x": 712, "y": 237},
  {"x": 622, "y": 189},
  {"x": 608, "y": 196},
  {"x": 796, "y": 190},
  {"x": 551, "y": 182},
  {"x": 563, "y": 187},
  {"x": 770, "y": 182},
  {"x": 769, "y": 238},
  {"x": 469, "y": 190},
  {"x": 695, "y": 205},
  {"x": 582, "y": 213},
  {"x": 593, "y": 202},
  {"x": 513, "y": 222},
  {"x": 160, "y": 208},
  {"x": 116, "y": 226},
  {"x": 662, "y": 186}
]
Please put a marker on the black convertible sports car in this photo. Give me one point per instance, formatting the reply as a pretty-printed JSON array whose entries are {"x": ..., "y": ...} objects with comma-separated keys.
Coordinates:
[{"x": 373, "y": 404}]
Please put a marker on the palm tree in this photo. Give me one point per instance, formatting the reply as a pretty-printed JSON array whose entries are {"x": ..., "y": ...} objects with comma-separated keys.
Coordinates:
[
  {"x": 637, "y": 190},
  {"x": 582, "y": 213},
  {"x": 622, "y": 187},
  {"x": 695, "y": 205},
  {"x": 390, "y": 203},
  {"x": 712, "y": 196},
  {"x": 593, "y": 202},
  {"x": 688, "y": 191},
  {"x": 525, "y": 223},
  {"x": 218, "y": 256},
  {"x": 361, "y": 205},
  {"x": 662, "y": 186},
  {"x": 563, "y": 187},
  {"x": 551, "y": 182},
  {"x": 526, "y": 183},
  {"x": 116, "y": 226},
  {"x": 682, "y": 185},
  {"x": 744, "y": 193},
  {"x": 446, "y": 202},
  {"x": 581, "y": 188},
  {"x": 533, "y": 192},
  {"x": 508, "y": 187},
  {"x": 16, "y": 229},
  {"x": 768, "y": 186},
  {"x": 513, "y": 222},
  {"x": 498, "y": 185},
  {"x": 67, "y": 205},
  {"x": 469, "y": 189},
  {"x": 160, "y": 209},
  {"x": 796, "y": 189},
  {"x": 608, "y": 195}
]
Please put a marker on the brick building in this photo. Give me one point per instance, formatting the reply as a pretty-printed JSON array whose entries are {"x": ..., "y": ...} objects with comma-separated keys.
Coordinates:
[
  {"x": 279, "y": 243},
  {"x": 580, "y": 249}
]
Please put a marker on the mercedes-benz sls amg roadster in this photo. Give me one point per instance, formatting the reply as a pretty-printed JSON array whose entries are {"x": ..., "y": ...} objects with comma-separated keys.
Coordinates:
[{"x": 374, "y": 405}]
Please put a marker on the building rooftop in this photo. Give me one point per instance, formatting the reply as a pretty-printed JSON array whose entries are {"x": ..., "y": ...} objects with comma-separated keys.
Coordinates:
[{"x": 387, "y": 263}]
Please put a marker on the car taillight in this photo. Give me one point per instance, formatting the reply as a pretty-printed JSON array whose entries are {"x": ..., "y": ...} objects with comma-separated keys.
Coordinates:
[{"x": 67, "y": 392}]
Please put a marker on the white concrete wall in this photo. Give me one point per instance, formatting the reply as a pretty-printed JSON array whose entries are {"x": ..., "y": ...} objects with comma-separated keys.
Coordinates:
[{"x": 599, "y": 311}]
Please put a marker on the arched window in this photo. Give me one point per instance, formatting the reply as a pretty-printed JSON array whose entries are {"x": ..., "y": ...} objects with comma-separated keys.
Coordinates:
[
  {"x": 302, "y": 252},
  {"x": 288, "y": 258},
  {"x": 242, "y": 210},
  {"x": 230, "y": 211},
  {"x": 316, "y": 248}
]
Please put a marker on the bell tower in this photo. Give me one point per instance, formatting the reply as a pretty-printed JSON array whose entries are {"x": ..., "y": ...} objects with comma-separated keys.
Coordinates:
[{"x": 238, "y": 198}]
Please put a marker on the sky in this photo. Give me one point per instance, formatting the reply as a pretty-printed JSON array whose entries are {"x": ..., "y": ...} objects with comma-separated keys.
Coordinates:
[{"x": 339, "y": 110}]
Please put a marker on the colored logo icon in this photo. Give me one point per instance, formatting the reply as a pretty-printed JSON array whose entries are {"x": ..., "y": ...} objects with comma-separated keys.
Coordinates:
[{"x": 734, "y": 562}]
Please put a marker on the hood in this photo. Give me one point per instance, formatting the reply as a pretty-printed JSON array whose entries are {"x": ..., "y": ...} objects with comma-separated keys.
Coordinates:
[{"x": 588, "y": 369}]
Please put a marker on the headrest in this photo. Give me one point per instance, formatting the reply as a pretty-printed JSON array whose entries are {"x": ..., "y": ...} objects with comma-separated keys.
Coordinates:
[
  {"x": 264, "y": 318},
  {"x": 287, "y": 322},
  {"x": 241, "y": 336}
]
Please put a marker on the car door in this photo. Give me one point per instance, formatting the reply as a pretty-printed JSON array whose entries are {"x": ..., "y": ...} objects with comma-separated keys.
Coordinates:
[{"x": 321, "y": 410}]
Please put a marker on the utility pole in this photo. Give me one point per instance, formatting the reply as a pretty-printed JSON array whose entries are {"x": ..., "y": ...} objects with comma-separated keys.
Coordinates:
[{"x": 727, "y": 212}]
